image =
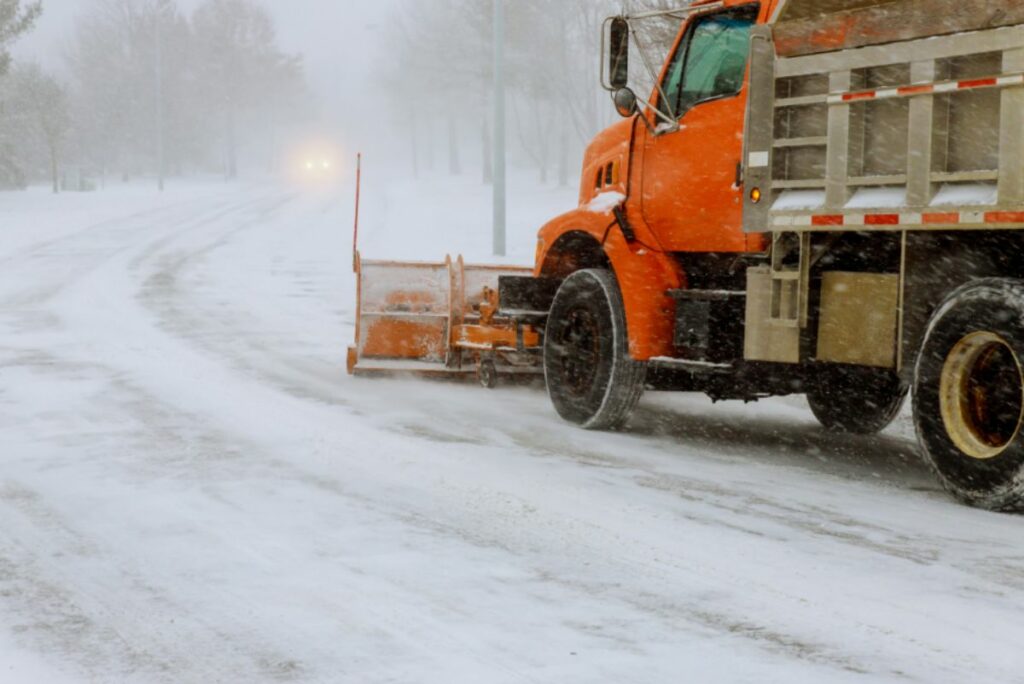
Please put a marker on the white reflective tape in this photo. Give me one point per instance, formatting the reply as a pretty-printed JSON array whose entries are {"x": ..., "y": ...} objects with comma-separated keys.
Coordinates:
[
  {"x": 886, "y": 93},
  {"x": 946, "y": 87},
  {"x": 792, "y": 221},
  {"x": 835, "y": 99},
  {"x": 972, "y": 217},
  {"x": 854, "y": 220},
  {"x": 1010, "y": 80},
  {"x": 758, "y": 160},
  {"x": 910, "y": 219}
]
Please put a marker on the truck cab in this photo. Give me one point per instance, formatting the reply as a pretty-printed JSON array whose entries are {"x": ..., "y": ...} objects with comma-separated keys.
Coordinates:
[
  {"x": 702, "y": 89},
  {"x": 676, "y": 162}
]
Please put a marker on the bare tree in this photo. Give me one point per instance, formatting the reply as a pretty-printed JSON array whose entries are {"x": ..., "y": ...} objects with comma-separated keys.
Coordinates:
[
  {"x": 113, "y": 62},
  {"x": 47, "y": 102},
  {"x": 240, "y": 65},
  {"x": 37, "y": 119},
  {"x": 443, "y": 70},
  {"x": 207, "y": 86},
  {"x": 15, "y": 20},
  {"x": 445, "y": 65}
]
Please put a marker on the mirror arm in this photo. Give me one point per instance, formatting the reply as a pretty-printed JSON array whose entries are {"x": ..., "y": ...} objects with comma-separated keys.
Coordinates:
[
  {"x": 657, "y": 83},
  {"x": 661, "y": 115}
]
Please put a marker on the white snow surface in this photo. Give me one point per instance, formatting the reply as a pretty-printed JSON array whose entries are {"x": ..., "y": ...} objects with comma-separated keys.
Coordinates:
[{"x": 193, "y": 490}]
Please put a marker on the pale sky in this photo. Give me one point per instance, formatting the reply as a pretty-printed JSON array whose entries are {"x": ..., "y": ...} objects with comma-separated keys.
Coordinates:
[{"x": 336, "y": 36}]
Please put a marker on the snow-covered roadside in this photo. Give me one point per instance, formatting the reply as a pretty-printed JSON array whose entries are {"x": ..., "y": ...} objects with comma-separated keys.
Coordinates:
[
  {"x": 31, "y": 218},
  {"x": 193, "y": 490}
]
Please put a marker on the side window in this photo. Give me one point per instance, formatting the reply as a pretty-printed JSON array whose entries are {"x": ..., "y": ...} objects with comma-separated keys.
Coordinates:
[{"x": 710, "y": 62}]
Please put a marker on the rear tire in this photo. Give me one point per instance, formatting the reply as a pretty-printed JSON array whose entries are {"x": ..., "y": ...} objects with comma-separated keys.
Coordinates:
[
  {"x": 969, "y": 394},
  {"x": 856, "y": 399},
  {"x": 591, "y": 379}
]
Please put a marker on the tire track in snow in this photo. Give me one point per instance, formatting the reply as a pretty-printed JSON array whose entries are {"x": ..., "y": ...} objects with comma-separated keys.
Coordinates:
[
  {"x": 164, "y": 294},
  {"x": 52, "y": 604},
  {"x": 116, "y": 237},
  {"x": 717, "y": 503},
  {"x": 170, "y": 302},
  {"x": 144, "y": 408}
]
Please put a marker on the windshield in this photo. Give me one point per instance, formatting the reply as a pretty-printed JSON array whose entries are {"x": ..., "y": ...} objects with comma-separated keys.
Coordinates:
[{"x": 709, "y": 63}]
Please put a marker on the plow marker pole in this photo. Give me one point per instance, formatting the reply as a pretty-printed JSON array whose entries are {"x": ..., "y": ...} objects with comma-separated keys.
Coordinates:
[{"x": 355, "y": 229}]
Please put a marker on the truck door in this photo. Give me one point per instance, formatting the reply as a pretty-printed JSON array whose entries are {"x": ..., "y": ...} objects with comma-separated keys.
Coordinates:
[{"x": 690, "y": 197}]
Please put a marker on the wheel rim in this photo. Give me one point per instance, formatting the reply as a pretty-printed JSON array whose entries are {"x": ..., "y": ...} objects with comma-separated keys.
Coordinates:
[
  {"x": 981, "y": 395},
  {"x": 579, "y": 351}
]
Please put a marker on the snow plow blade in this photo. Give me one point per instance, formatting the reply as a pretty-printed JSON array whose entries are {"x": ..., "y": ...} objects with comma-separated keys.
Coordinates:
[{"x": 438, "y": 319}]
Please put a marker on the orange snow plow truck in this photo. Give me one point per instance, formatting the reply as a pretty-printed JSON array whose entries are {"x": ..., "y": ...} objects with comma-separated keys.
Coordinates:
[{"x": 820, "y": 197}]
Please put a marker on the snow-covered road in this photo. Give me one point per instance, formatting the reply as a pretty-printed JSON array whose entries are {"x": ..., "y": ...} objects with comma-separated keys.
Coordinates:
[{"x": 192, "y": 490}]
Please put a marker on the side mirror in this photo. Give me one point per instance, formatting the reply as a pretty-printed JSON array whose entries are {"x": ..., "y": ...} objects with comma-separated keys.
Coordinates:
[
  {"x": 618, "y": 56},
  {"x": 625, "y": 102}
]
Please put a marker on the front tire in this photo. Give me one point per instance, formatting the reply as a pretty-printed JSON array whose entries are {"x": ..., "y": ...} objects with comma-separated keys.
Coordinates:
[
  {"x": 591, "y": 379},
  {"x": 855, "y": 399},
  {"x": 969, "y": 394}
]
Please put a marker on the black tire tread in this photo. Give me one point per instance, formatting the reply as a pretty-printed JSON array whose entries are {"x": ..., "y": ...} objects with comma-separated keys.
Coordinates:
[
  {"x": 839, "y": 407},
  {"x": 626, "y": 385}
]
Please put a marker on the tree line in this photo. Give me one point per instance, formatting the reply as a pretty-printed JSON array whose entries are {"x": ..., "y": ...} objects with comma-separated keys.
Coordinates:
[
  {"x": 147, "y": 90},
  {"x": 439, "y": 73}
]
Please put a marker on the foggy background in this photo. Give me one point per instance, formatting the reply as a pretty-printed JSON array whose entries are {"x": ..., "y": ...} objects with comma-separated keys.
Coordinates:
[
  {"x": 194, "y": 489},
  {"x": 247, "y": 87}
]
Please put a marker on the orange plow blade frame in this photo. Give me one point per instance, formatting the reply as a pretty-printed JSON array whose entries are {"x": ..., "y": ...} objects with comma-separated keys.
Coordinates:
[{"x": 436, "y": 319}]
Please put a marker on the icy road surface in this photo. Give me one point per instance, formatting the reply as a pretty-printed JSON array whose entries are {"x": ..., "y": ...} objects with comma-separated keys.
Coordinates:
[{"x": 192, "y": 490}]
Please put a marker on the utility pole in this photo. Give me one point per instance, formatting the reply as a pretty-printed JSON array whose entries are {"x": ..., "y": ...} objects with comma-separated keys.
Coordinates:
[
  {"x": 159, "y": 99},
  {"x": 499, "y": 128}
]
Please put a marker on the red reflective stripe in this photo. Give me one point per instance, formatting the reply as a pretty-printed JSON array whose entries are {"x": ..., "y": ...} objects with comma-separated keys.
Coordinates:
[
  {"x": 867, "y": 95},
  {"x": 827, "y": 220},
  {"x": 1004, "y": 217},
  {"x": 882, "y": 219},
  {"x": 940, "y": 219},
  {"x": 978, "y": 83},
  {"x": 922, "y": 89},
  {"x": 916, "y": 90}
]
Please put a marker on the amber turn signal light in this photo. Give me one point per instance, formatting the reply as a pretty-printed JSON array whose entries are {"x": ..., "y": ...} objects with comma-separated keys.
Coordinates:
[{"x": 755, "y": 195}]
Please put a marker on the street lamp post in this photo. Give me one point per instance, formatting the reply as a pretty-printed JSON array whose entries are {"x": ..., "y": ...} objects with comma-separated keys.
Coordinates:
[
  {"x": 499, "y": 129},
  {"x": 159, "y": 100}
]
